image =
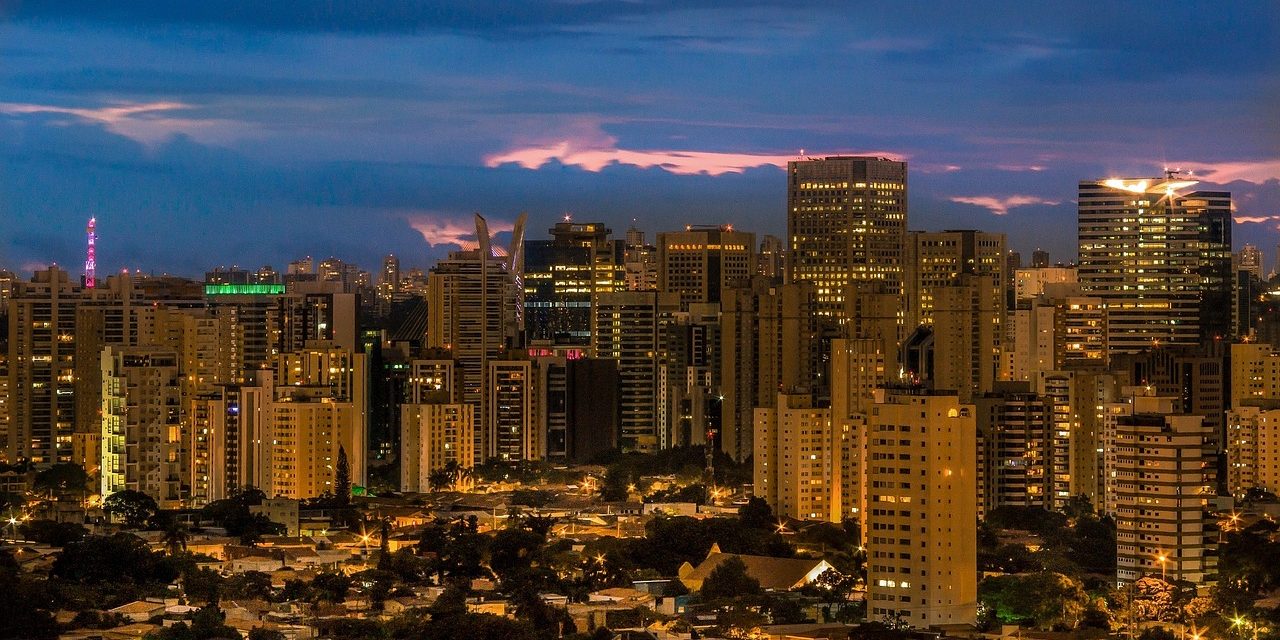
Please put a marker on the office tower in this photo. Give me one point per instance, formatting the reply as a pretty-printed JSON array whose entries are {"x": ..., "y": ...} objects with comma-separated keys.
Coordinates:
[
  {"x": 1039, "y": 259},
  {"x": 689, "y": 378},
  {"x": 922, "y": 494},
  {"x": 1253, "y": 447},
  {"x": 1160, "y": 259},
  {"x": 942, "y": 259},
  {"x": 561, "y": 278},
  {"x": 433, "y": 435},
  {"x": 1163, "y": 472},
  {"x": 626, "y": 330},
  {"x": 772, "y": 340},
  {"x": 1015, "y": 427},
  {"x": 640, "y": 262},
  {"x": 846, "y": 223},
  {"x": 1249, "y": 259},
  {"x": 304, "y": 266},
  {"x": 142, "y": 423},
  {"x": 771, "y": 259},
  {"x": 875, "y": 314},
  {"x": 389, "y": 281},
  {"x": 799, "y": 461},
  {"x": 593, "y": 411},
  {"x": 475, "y": 307},
  {"x": 700, "y": 263}
]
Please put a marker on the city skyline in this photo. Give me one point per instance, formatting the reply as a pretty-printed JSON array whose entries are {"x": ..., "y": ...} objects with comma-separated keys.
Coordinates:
[{"x": 359, "y": 131}]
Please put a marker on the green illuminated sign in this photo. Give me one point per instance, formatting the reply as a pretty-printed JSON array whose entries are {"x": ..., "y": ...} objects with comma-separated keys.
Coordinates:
[{"x": 243, "y": 289}]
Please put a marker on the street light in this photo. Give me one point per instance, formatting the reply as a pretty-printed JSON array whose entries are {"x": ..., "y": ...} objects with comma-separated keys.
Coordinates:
[{"x": 1163, "y": 559}]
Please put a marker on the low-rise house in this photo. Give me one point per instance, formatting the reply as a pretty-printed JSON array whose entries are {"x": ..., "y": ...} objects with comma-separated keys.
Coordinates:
[
  {"x": 774, "y": 574},
  {"x": 140, "y": 610}
]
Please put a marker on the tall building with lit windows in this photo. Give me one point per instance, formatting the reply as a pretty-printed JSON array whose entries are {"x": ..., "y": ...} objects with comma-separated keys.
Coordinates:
[
  {"x": 563, "y": 275},
  {"x": 922, "y": 501},
  {"x": 846, "y": 223},
  {"x": 700, "y": 263},
  {"x": 1159, "y": 257},
  {"x": 937, "y": 259}
]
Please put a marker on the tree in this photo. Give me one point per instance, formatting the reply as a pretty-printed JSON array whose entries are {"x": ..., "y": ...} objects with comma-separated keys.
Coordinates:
[
  {"x": 729, "y": 579},
  {"x": 175, "y": 533},
  {"x": 113, "y": 559},
  {"x": 342, "y": 478},
  {"x": 331, "y": 587},
  {"x": 252, "y": 585},
  {"x": 207, "y": 623},
  {"x": 134, "y": 507},
  {"x": 263, "y": 633},
  {"x": 757, "y": 514},
  {"x": 1047, "y": 600},
  {"x": 62, "y": 480},
  {"x": 56, "y": 534}
]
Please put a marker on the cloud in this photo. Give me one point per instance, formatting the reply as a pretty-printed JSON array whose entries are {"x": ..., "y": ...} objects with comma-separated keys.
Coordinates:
[
  {"x": 145, "y": 122},
  {"x": 1021, "y": 167},
  {"x": 1000, "y": 205},
  {"x": 595, "y": 156},
  {"x": 1255, "y": 219},
  {"x": 1256, "y": 171},
  {"x": 450, "y": 229}
]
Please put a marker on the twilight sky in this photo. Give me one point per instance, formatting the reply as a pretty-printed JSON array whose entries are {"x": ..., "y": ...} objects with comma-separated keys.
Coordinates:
[{"x": 246, "y": 132}]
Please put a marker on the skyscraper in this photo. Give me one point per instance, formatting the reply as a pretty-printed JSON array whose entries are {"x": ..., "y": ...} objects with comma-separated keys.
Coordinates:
[
  {"x": 1160, "y": 259},
  {"x": 700, "y": 263},
  {"x": 625, "y": 329},
  {"x": 846, "y": 223},
  {"x": 562, "y": 277},
  {"x": 475, "y": 309},
  {"x": 1249, "y": 259}
]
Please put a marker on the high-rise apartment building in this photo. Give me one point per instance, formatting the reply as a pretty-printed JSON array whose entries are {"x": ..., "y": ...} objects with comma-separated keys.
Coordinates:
[
  {"x": 625, "y": 329},
  {"x": 1249, "y": 260},
  {"x": 940, "y": 259},
  {"x": 801, "y": 459},
  {"x": 846, "y": 223},
  {"x": 700, "y": 263},
  {"x": 1160, "y": 259},
  {"x": 224, "y": 444},
  {"x": 772, "y": 340},
  {"x": 513, "y": 401},
  {"x": 142, "y": 423},
  {"x": 1015, "y": 427},
  {"x": 432, "y": 435},
  {"x": 1164, "y": 478},
  {"x": 771, "y": 258},
  {"x": 922, "y": 501},
  {"x": 640, "y": 262},
  {"x": 317, "y": 414},
  {"x": 1253, "y": 447},
  {"x": 475, "y": 309}
]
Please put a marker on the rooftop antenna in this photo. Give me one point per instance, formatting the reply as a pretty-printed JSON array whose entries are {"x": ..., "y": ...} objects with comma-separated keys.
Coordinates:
[{"x": 90, "y": 257}]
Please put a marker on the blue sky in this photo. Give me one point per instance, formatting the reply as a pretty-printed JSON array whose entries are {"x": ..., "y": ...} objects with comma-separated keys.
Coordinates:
[{"x": 230, "y": 131}]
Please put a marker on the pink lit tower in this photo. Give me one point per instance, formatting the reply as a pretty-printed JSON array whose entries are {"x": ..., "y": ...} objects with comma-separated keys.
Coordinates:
[{"x": 90, "y": 259}]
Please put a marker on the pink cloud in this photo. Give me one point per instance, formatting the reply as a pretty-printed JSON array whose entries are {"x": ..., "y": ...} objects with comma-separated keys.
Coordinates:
[
  {"x": 1255, "y": 219},
  {"x": 451, "y": 229},
  {"x": 1021, "y": 167},
  {"x": 147, "y": 122},
  {"x": 1257, "y": 172},
  {"x": 1000, "y": 205},
  {"x": 594, "y": 154}
]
